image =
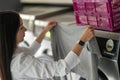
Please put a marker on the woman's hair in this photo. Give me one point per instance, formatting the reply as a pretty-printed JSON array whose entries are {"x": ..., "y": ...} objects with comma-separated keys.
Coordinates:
[{"x": 9, "y": 25}]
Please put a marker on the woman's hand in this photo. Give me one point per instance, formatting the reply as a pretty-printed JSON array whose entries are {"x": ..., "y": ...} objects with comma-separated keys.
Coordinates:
[
  {"x": 50, "y": 25},
  {"x": 88, "y": 34},
  {"x": 41, "y": 36}
]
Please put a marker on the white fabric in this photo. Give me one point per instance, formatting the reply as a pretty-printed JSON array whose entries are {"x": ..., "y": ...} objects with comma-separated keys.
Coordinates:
[
  {"x": 63, "y": 38},
  {"x": 24, "y": 66}
]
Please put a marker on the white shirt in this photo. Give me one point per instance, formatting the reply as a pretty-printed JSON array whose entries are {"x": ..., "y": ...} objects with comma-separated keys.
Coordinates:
[{"x": 24, "y": 66}]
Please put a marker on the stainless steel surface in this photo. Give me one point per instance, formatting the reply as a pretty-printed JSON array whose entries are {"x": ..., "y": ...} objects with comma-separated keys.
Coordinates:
[
  {"x": 66, "y": 18},
  {"x": 39, "y": 12},
  {"x": 30, "y": 13},
  {"x": 109, "y": 68},
  {"x": 108, "y": 63},
  {"x": 107, "y": 34},
  {"x": 48, "y": 1}
]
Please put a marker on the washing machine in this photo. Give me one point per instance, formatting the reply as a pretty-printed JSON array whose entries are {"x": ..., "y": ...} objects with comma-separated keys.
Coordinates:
[{"x": 108, "y": 59}]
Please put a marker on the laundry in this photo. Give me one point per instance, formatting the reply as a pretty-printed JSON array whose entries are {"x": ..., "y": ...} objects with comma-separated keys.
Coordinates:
[{"x": 63, "y": 38}]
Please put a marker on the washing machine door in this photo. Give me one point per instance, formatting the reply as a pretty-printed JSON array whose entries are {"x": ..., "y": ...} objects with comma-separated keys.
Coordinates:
[
  {"x": 101, "y": 75},
  {"x": 109, "y": 69}
]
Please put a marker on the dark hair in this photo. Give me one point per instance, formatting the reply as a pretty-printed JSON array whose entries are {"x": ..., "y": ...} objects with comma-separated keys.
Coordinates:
[{"x": 9, "y": 24}]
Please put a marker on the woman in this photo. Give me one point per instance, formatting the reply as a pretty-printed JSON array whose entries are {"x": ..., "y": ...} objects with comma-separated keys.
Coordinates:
[{"x": 18, "y": 63}]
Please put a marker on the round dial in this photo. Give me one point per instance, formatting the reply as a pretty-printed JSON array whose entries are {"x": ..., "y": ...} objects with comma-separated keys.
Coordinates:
[{"x": 109, "y": 45}]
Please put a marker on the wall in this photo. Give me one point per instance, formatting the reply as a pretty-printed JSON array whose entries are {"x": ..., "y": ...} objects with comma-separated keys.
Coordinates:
[{"x": 10, "y": 5}]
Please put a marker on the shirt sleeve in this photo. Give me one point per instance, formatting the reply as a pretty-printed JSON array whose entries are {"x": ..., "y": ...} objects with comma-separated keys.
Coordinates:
[
  {"x": 42, "y": 69},
  {"x": 34, "y": 47},
  {"x": 71, "y": 60}
]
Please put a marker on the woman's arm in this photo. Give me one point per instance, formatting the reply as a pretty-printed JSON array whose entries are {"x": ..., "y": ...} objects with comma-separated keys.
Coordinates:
[
  {"x": 50, "y": 25},
  {"x": 86, "y": 36},
  {"x": 36, "y": 44}
]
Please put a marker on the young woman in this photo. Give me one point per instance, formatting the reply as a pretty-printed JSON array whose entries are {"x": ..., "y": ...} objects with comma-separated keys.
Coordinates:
[{"x": 18, "y": 63}]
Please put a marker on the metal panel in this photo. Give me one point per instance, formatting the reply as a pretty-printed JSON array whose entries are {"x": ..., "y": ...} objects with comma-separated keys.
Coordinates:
[
  {"x": 109, "y": 45},
  {"x": 39, "y": 12},
  {"x": 48, "y": 1},
  {"x": 66, "y": 18},
  {"x": 30, "y": 13}
]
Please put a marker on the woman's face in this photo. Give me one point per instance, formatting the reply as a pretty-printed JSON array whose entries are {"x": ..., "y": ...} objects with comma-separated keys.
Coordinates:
[{"x": 21, "y": 32}]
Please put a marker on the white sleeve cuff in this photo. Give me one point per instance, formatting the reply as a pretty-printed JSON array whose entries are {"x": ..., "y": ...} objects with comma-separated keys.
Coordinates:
[{"x": 71, "y": 60}]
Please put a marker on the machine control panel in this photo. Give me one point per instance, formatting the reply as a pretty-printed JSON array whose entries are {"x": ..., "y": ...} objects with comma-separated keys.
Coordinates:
[
  {"x": 108, "y": 47},
  {"x": 108, "y": 43}
]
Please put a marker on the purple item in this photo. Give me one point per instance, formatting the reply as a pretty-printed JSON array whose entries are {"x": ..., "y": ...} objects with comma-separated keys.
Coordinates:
[{"x": 101, "y": 14}]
